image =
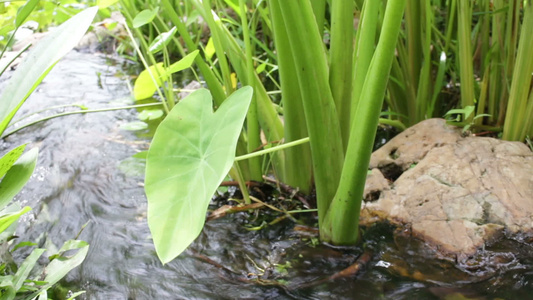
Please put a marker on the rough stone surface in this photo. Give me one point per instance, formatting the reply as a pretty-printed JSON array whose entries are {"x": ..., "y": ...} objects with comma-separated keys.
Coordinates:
[{"x": 457, "y": 193}]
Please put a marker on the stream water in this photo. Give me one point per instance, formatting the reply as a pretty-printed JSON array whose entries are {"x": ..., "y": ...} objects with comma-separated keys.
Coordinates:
[{"x": 85, "y": 174}]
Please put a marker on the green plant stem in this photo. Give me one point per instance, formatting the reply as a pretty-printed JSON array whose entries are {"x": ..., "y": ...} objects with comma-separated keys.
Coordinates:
[
  {"x": 515, "y": 127},
  {"x": 252, "y": 123},
  {"x": 342, "y": 219},
  {"x": 272, "y": 149},
  {"x": 310, "y": 60},
  {"x": 81, "y": 112},
  {"x": 319, "y": 10},
  {"x": 466, "y": 68},
  {"x": 341, "y": 55},
  {"x": 364, "y": 50},
  {"x": 7, "y": 64},
  {"x": 298, "y": 168},
  {"x": 147, "y": 67}
]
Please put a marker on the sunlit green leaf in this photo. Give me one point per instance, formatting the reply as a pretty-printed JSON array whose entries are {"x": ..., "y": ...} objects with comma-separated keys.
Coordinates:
[
  {"x": 17, "y": 176},
  {"x": 182, "y": 64},
  {"x": 144, "y": 85},
  {"x": 7, "y": 219},
  {"x": 192, "y": 151},
  {"x": 144, "y": 17},
  {"x": 40, "y": 61},
  {"x": 210, "y": 49},
  {"x": 25, "y": 11},
  {"x": 105, "y": 3},
  {"x": 26, "y": 267},
  {"x": 162, "y": 40},
  {"x": 10, "y": 158},
  {"x": 60, "y": 266}
]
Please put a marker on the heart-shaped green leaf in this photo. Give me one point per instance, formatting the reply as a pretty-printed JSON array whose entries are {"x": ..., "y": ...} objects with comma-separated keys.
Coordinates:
[
  {"x": 192, "y": 151},
  {"x": 144, "y": 17},
  {"x": 144, "y": 86}
]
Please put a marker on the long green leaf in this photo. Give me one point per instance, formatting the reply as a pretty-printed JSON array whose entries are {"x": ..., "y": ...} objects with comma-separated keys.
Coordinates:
[
  {"x": 26, "y": 267},
  {"x": 7, "y": 219},
  {"x": 162, "y": 40},
  {"x": 40, "y": 61},
  {"x": 60, "y": 266},
  {"x": 9, "y": 159},
  {"x": 17, "y": 176},
  {"x": 25, "y": 11},
  {"x": 192, "y": 151}
]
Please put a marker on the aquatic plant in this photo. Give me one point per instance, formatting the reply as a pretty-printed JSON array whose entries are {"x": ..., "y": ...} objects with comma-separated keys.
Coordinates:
[
  {"x": 334, "y": 128},
  {"x": 333, "y": 87},
  {"x": 16, "y": 167}
]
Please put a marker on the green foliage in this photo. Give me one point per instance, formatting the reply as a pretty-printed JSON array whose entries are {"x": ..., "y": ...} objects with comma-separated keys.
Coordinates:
[
  {"x": 333, "y": 89},
  {"x": 191, "y": 153},
  {"x": 40, "y": 61},
  {"x": 16, "y": 168},
  {"x": 45, "y": 13}
]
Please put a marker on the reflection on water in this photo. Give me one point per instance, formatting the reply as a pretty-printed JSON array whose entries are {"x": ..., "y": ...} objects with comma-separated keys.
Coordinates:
[{"x": 83, "y": 175}]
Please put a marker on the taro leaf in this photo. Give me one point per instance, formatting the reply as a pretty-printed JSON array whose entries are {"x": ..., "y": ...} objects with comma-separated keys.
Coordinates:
[
  {"x": 162, "y": 40},
  {"x": 7, "y": 219},
  {"x": 144, "y": 86},
  {"x": 10, "y": 158},
  {"x": 17, "y": 176},
  {"x": 25, "y": 11},
  {"x": 183, "y": 63},
  {"x": 192, "y": 151},
  {"x": 40, "y": 61},
  {"x": 144, "y": 17}
]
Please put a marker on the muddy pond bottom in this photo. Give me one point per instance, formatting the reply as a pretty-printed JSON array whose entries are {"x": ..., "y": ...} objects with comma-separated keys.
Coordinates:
[{"x": 86, "y": 175}]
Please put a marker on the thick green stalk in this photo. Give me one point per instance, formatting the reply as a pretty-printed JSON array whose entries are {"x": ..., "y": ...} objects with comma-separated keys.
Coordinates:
[
  {"x": 424, "y": 86},
  {"x": 252, "y": 124},
  {"x": 364, "y": 50},
  {"x": 413, "y": 22},
  {"x": 310, "y": 59},
  {"x": 510, "y": 48},
  {"x": 319, "y": 10},
  {"x": 298, "y": 168},
  {"x": 497, "y": 81},
  {"x": 341, "y": 54},
  {"x": 342, "y": 221},
  {"x": 515, "y": 127},
  {"x": 466, "y": 68}
]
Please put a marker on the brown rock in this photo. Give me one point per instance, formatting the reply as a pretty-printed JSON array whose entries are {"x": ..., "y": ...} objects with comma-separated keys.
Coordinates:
[{"x": 457, "y": 193}]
